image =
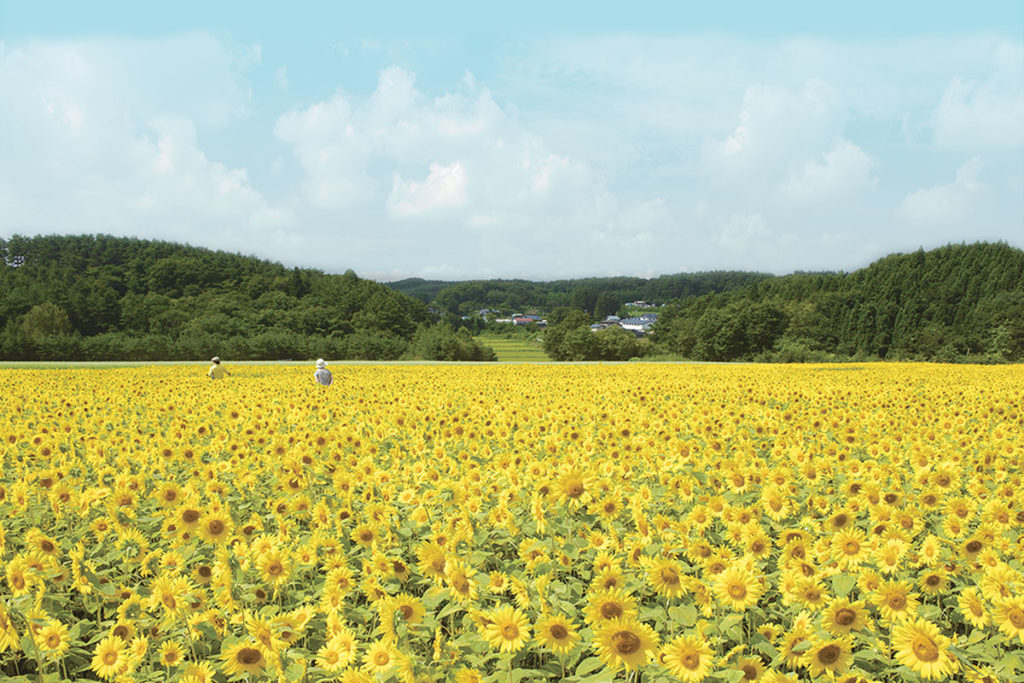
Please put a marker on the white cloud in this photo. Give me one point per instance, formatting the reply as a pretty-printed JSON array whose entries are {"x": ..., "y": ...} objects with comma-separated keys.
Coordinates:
[
  {"x": 985, "y": 112},
  {"x": 582, "y": 157},
  {"x": 945, "y": 205},
  {"x": 742, "y": 232},
  {"x": 778, "y": 129},
  {"x": 104, "y": 146},
  {"x": 841, "y": 174},
  {"x": 490, "y": 174},
  {"x": 444, "y": 187},
  {"x": 333, "y": 151}
]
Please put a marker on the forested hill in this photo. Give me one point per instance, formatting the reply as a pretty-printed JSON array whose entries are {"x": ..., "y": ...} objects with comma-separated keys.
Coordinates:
[
  {"x": 958, "y": 302},
  {"x": 101, "y": 297},
  {"x": 598, "y": 295}
]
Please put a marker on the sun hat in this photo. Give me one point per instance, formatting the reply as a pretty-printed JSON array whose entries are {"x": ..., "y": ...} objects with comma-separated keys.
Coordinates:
[
  {"x": 321, "y": 363},
  {"x": 215, "y": 359}
]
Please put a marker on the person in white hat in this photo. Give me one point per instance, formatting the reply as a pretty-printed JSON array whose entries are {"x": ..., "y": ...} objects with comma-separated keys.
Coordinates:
[
  {"x": 322, "y": 374},
  {"x": 217, "y": 371}
]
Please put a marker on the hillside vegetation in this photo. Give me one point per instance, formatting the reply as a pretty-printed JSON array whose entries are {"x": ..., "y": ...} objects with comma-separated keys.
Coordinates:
[
  {"x": 109, "y": 298},
  {"x": 101, "y": 297},
  {"x": 958, "y": 302}
]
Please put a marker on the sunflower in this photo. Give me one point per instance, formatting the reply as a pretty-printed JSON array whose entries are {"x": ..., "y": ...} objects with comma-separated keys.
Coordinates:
[
  {"x": 921, "y": 647},
  {"x": 1009, "y": 615},
  {"x": 171, "y": 653},
  {"x": 792, "y": 641},
  {"x": 737, "y": 588},
  {"x": 215, "y": 527},
  {"x": 625, "y": 642},
  {"x": 264, "y": 632},
  {"x": 110, "y": 657},
  {"x": 850, "y": 548},
  {"x": 431, "y": 560},
  {"x": 895, "y": 601},
  {"x": 573, "y": 487},
  {"x": 275, "y": 566},
  {"x": 244, "y": 657},
  {"x": 973, "y": 607},
  {"x": 380, "y": 657},
  {"x": 830, "y": 657},
  {"x": 508, "y": 629},
  {"x": 810, "y": 593},
  {"x": 53, "y": 640},
  {"x": 557, "y": 633},
  {"x": 666, "y": 577},
  {"x": 842, "y": 616},
  {"x": 608, "y": 605},
  {"x": 408, "y": 607},
  {"x": 364, "y": 535},
  {"x": 20, "y": 576},
  {"x": 188, "y": 517},
  {"x": 751, "y": 667},
  {"x": 608, "y": 578},
  {"x": 198, "y": 672},
  {"x": 459, "y": 577},
  {"x": 467, "y": 675},
  {"x": 688, "y": 658},
  {"x": 338, "y": 653},
  {"x": 40, "y": 542},
  {"x": 168, "y": 494}
]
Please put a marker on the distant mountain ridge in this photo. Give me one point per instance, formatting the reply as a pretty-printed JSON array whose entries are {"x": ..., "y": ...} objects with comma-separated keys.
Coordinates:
[
  {"x": 957, "y": 302},
  {"x": 97, "y": 297},
  {"x": 100, "y": 297}
]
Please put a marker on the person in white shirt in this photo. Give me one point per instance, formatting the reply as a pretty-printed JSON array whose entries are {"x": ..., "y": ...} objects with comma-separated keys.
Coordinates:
[
  {"x": 217, "y": 371},
  {"x": 322, "y": 374}
]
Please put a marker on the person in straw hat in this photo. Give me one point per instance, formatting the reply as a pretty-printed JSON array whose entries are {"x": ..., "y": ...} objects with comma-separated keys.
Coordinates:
[
  {"x": 217, "y": 371},
  {"x": 322, "y": 374}
]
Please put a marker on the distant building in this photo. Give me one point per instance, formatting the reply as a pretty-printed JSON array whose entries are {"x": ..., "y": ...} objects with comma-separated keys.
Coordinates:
[
  {"x": 528, "y": 320},
  {"x": 641, "y": 325}
]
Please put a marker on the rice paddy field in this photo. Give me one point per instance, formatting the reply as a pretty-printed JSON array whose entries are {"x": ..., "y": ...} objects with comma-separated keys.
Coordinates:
[
  {"x": 515, "y": 349},
  {"x": 637, "y": 522}
]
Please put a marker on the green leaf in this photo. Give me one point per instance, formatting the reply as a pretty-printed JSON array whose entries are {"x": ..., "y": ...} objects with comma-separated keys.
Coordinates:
[
  {"x": 105, "y": 588},
  {"x": 842, "y": 584},
  {"x": 599, "y": 677},
  {"x": 294, "y": 672},
  {"x": 655, "y": 613},
  {"x": 588, "y": 666},
  {"x": 734, "y": 675},
  {"x": 685, "y": 615},
  {"x": 802, "y": 646}
]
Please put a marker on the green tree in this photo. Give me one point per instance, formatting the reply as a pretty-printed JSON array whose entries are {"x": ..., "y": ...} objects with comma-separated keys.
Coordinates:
[
  {"x": 569, "y": 320},
  {"x": 45, "y": 320}
]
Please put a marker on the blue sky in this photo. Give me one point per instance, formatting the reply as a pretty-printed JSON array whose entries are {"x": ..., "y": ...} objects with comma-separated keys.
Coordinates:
[{"x": 539, "y": 140}]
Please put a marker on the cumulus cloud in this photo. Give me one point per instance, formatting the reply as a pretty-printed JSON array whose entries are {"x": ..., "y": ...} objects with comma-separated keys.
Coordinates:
[
  {"x": 571, "y": 160},
  {"x": 986, "y": 112},
  {"x": 778, "y": 129},
  {"x": 945, "y": 205},
  {"x": 743, "y": 231},
  {"x": 445, "y": 186},
  {"x": 458, "y": 157},
  {"x": 842, "y": 173},
  {"x": 105, "y": 145}
]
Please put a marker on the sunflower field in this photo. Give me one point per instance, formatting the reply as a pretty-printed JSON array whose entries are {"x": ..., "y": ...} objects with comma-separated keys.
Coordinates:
[{"x": 638, "y": 522}]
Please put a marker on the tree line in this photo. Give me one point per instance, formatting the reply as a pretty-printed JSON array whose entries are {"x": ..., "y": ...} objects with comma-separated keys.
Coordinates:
[
  {"x": 111, "y": 298},
  {"x": 955, "y": 303},
  {"x": 597, "y": 296}
]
